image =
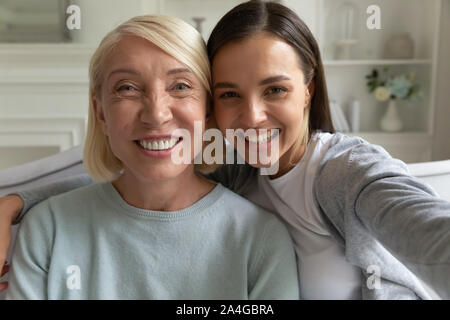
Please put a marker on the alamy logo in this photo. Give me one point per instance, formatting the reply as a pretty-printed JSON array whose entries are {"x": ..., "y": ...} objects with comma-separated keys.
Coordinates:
[
  {"x": 261, "y": 146},
  {"x": 73, "y": 281},
  {"x": 74, "y": 20},
  {"x": 374, "y": 20}
]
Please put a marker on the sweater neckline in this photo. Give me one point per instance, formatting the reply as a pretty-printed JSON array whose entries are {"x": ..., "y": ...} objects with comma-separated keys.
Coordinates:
[
  {"x": 114, "y": 199},
  {"x": 282, "y": 180}
]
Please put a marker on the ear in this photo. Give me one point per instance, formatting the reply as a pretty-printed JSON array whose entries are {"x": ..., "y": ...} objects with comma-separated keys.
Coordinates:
[{"x": 99, "y": 114}]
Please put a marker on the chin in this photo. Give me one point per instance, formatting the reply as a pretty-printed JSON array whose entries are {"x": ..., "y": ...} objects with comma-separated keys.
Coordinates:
[{"x": 259, "y": 164}]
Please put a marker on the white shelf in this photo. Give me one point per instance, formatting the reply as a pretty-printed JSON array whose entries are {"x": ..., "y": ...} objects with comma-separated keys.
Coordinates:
[
  {"x": 44, "y": 55},
  {"x": 381, "y": 62},
  {"x": 346, "y": 79}
]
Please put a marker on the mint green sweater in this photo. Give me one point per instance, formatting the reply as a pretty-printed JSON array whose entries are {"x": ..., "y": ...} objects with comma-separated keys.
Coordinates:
[{"x": 90, "y": 244}]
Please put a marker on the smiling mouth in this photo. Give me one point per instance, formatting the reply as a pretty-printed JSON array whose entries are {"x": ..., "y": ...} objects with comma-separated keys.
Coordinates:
[
  {"x": 262, "y": 137},
  {"x": 158, "y": 145}
]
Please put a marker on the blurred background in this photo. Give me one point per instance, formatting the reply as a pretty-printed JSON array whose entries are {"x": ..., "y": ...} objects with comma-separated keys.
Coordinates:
[{"x": 373, "y": 51}]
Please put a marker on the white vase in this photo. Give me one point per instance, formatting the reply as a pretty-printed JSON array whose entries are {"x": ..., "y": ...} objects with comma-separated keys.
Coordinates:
[
  {"x": 354, "y": 115},
  {"x": 391, "y": 121}
]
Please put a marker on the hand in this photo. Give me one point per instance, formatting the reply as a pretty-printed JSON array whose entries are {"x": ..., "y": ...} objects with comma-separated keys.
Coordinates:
[
  {"x": 10, "y": 207},
  {"x": 5, "y": 270}
]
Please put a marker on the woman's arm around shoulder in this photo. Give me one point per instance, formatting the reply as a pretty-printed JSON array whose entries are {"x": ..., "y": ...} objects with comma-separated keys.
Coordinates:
[
  {"x": 33, "y": 196},
  {"x": 15, "y": 206},
  {"x": 32, "y": 255}
]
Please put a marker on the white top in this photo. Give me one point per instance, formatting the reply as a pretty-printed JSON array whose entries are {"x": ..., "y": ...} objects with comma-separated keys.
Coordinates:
[{"x": 323, "y": 271}]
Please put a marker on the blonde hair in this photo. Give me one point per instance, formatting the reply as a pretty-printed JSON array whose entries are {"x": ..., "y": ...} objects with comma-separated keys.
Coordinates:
[{"x": 175, "y": 37}]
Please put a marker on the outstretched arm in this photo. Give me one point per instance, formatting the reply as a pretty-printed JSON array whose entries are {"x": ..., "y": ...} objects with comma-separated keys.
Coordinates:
[{"x": 368, "y": 186}]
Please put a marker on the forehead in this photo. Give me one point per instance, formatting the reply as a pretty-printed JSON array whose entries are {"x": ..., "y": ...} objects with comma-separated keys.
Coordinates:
[
  {"x": 262, "y": 52},
  {"x": 140, "y": 53}
]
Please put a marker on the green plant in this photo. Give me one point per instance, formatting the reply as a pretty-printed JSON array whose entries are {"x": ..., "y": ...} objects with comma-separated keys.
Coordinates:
[{"x": 400, "y": 86}]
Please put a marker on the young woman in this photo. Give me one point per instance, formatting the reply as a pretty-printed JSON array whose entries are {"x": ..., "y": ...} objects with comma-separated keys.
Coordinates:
[
  {"x": 351, "y": 209},
  {"x": 149, "y": 78}
]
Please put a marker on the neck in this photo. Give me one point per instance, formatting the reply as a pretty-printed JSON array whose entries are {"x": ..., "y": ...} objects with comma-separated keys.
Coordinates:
[
  {"x": 165, "y": 195},
  {"x": 286, "y": 164}
]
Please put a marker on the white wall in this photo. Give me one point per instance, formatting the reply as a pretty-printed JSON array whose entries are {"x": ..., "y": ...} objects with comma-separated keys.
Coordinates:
[
  {"x": 441, "y": 146},
  {"x": 98, "y": 17},
  {"x": 43, "y": 88}
]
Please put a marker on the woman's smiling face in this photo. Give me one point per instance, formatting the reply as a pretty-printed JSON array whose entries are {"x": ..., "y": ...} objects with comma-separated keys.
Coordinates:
[
  {"x": 258, "y": 84},
  {"x": 145, "y": 95}
]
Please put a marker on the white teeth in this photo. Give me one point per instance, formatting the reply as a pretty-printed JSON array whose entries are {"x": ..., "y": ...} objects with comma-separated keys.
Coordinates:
[
  {"x": 262, "y": 138},
  {"x": 158, "y": 145}
]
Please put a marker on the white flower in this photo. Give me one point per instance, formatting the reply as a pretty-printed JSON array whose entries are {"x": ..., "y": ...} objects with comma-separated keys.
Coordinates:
[{"x": 382, "y": 94}]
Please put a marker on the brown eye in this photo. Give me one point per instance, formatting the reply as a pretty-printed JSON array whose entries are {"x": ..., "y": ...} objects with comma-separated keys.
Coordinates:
[
  {"x": 276, "y": 91},
  {"x": 228, "y": 95}
]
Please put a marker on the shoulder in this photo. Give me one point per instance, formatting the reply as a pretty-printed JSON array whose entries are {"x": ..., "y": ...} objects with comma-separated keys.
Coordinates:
[
  {"x": 234, "y": 203},
  {"x": 342, "y": 146},
  {"x": 76, "y": 197},
  {"x": 236, "y": 177},
  {"x": 351, "y": 164},
  {"x": 69, "y": 204},
  {"x": 252, "y": 222},
  {"x": 248, "y": 217},
  {"x": 350, "y": 157}
]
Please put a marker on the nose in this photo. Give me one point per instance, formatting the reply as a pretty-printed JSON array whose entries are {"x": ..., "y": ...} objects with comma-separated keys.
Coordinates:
[
  {"x": 253, "y": 114},
  {"x": 156, "y": 110}
]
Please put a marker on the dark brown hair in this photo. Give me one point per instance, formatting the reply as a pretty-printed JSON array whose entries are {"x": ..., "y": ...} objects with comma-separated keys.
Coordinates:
[{"x": 252, "y": 17}]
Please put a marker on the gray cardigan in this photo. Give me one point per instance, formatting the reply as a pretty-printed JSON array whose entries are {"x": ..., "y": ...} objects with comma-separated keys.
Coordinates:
[{"x": 374, "y": 208}]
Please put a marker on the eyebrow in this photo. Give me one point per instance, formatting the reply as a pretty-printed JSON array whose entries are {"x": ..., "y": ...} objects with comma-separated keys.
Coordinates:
[
  {"x": 123, "y": 70},
  {"x": 132, "y": 71},
  {"x": 226, "y": 85},
  {"x": 273, "y": 79},
  {"x": 178, "y": 70}
]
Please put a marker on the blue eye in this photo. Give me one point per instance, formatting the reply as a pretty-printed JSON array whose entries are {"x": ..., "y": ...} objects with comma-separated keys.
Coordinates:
[
  {"x": 229, "y": 94},
  {"x": 181, "y": 86},
  {"x": 126, "y": 88}
]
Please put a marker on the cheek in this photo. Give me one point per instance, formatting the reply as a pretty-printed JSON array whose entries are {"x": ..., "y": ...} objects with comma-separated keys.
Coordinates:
[
  {"x": 290, "y": 116},
  {"x": 119, "y": 118},
  {"x": 190, "y": 110},
  {"x": 297, "y": 105},
  {"x": 224, "y": 117}
]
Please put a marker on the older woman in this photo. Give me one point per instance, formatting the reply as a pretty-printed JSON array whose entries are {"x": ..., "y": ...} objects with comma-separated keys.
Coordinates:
[{"x": 148, "y": 78}]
